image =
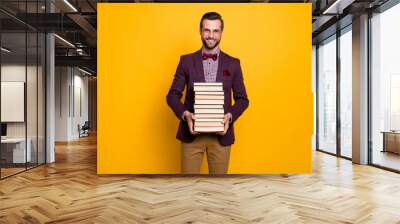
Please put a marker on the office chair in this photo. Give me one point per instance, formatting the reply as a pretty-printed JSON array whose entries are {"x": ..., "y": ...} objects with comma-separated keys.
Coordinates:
[{"x": 84, "y": 130}]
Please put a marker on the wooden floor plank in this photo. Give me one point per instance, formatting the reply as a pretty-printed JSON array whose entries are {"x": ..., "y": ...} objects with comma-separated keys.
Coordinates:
[{"x": 70, "y": 191}]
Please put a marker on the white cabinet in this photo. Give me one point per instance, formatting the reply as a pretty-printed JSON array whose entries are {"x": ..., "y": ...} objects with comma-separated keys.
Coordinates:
[{"x": 17, "y": 146}]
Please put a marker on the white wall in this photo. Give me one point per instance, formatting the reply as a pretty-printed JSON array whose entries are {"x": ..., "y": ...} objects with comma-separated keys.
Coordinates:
[
  {"x": 71, "y": 93},
  {"x": 16, "y": 72},
  {"x": 62, "y": 82},
  {"x": 10, "y": 73},
  {"x": 81, "y": 84}
]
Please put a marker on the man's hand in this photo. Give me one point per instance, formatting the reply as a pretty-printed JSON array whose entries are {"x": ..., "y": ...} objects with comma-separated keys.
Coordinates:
[
  {"x": 189, "y": 117},
  {"x": 226, "y": 121}
]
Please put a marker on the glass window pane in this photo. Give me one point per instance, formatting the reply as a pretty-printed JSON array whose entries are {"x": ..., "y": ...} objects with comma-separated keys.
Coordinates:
[
  {"x": 327, "y": 96},
  {"x": 386, "y": 88},
  {"x": 346, "y": 94},
  {"x": 32, "y": 95},
  {"x": 14, "y": 150},
  {"x": 22, "y": 88}
]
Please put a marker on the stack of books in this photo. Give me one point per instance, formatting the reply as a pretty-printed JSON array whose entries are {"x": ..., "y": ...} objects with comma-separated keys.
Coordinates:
[{"x": 208, "y": 107}]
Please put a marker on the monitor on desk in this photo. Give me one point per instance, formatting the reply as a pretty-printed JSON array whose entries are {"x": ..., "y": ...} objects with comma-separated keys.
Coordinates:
[{"x": 3, "y": 130}]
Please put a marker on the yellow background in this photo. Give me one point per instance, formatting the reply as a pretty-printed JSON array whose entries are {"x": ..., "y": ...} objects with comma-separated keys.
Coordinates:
[{"x": 138, "y": 51}]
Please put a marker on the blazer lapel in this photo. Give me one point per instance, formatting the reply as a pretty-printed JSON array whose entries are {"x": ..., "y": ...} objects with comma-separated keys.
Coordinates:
[
  {"x": 221, "y": 66},
  {"x": 198, "y": 63}
]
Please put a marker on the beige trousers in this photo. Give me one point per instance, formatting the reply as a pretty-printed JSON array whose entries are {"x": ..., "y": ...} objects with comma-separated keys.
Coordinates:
[{"x": 193, "y": 153}]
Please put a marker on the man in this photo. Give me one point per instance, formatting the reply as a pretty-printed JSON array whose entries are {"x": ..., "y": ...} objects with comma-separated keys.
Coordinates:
[{"x": 208, "y": 64}]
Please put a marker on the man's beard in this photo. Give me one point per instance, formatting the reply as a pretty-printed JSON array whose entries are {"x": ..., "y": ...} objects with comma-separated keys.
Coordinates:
[{"x": 209, "y": 47}]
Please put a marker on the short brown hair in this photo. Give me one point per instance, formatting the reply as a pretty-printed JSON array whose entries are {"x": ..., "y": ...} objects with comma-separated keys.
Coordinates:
[{"x": 212, "y": 16}]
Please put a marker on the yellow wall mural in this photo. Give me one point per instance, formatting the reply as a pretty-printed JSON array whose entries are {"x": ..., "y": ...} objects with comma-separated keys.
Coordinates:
[{"x": 139, "y": 46}]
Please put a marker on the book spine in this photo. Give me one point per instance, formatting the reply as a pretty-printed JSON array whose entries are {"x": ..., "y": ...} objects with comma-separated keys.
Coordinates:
[
  {"x": 208, "y": 106},
  {"x": 208, "y": 124},
  {"x": 208, "y": 111},
  {"x": 208, "y": 83},
  {"x": 208, "y": 129},
  {"x": 209, "y": 102},
  {"x": 207, "y": 88},
  {"x": 209, "y": 93},
  {"x": 209, "y": 116},
  {"x": 209, "y": 97}
]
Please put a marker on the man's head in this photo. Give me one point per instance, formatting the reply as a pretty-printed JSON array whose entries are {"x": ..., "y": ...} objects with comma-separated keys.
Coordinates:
[{"x": 211, "y": 27}]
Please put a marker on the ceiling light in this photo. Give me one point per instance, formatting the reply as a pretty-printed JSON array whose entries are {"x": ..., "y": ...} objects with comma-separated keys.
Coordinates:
[
  {"x": 84, "y": 71},
  {"x": 338, "y": 6},
  {"x": 5, "y": 50},
  {"x": 65, "y": 41},
  {"x": 70, "y": 5}
]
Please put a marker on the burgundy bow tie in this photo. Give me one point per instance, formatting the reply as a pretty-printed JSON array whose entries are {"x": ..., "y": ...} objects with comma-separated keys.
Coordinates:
[{"x": 212, "y": 56}]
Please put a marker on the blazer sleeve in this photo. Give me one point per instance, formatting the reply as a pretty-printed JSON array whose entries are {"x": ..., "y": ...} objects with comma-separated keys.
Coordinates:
[
  {"x": 239, "y": 93},
  {"x": 176, "y": 91}
]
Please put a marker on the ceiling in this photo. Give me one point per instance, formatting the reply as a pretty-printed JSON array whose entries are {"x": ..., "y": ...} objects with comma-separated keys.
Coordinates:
[{"x": 76, "y": 22}]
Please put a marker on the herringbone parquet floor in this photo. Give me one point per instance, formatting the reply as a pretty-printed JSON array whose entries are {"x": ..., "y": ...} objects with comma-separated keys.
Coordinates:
[{"x": 69, "y": 191}]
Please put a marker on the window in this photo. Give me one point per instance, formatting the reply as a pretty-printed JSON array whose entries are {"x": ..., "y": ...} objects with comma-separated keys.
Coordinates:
[
  {"x": 327, "y": 95},
  {"x": 385, "y": 88},
  {"x": 346, "y": 93},
  {"x": 22, "y": 78}
]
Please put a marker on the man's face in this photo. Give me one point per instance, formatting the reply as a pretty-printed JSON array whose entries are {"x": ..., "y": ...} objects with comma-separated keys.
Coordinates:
[{"x": 211, "y": 33}]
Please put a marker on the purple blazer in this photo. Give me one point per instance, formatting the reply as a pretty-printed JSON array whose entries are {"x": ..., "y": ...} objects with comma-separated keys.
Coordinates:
[{"x": 190, "y": 70}]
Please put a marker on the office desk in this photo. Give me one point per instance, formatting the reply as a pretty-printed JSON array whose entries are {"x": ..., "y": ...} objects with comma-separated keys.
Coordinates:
[
  {"x": 391, "y": 141},
  {"x": 13, "y": 150}
]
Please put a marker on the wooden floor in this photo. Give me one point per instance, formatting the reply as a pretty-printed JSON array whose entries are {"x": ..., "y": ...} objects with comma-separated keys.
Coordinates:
[
  {"x": 387, "y": 159},
  {"x": 5, "y": 172},
  {"x": 69, "y": 191}
]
